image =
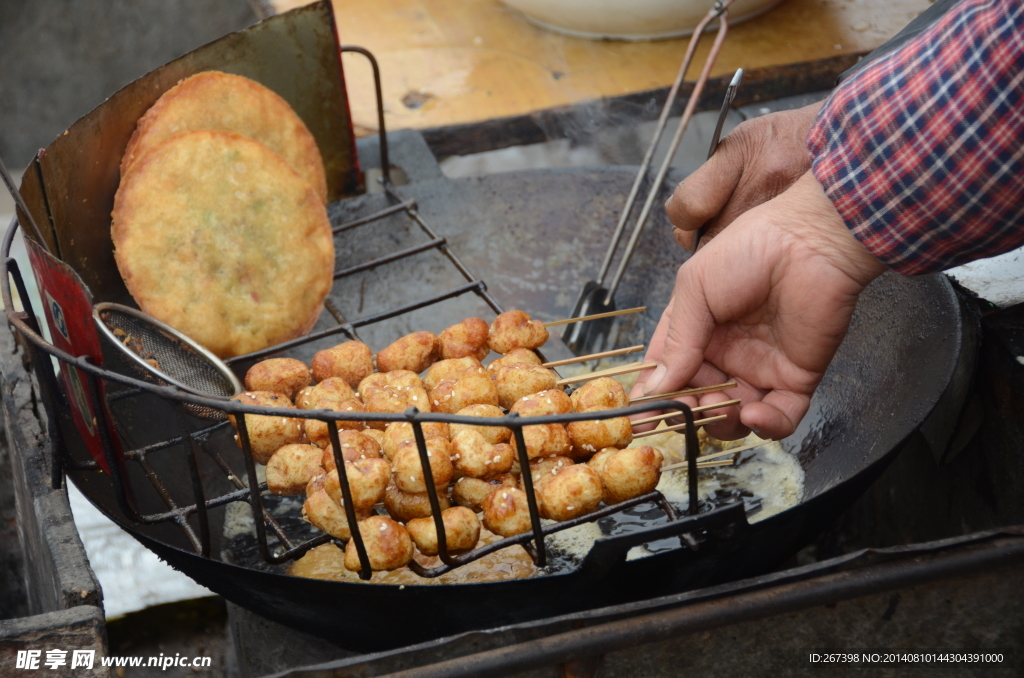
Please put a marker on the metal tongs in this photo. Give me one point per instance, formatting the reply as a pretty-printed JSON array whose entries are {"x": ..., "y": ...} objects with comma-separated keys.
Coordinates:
[{"x": 595, "y": 298}]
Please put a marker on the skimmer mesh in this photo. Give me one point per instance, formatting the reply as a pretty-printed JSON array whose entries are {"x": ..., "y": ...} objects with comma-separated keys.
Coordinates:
[{"x": 159, "y": 355}]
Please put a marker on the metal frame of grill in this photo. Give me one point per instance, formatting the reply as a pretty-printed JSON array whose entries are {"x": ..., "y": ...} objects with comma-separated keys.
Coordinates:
[{"x": 193, "y": 440}]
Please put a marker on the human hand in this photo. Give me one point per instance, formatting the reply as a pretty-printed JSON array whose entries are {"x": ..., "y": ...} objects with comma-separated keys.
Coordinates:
[
  {"x": 766, "y": 304},
  {"x": 755, "y": 162}
]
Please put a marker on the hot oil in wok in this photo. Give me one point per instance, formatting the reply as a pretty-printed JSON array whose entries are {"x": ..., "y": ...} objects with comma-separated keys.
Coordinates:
[
  {"x": 325, "y": 561},
  {"x": 767, "y": 479}
]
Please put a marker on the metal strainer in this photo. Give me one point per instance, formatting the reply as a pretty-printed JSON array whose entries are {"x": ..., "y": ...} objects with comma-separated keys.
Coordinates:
[{"x": 163, "y": 354}]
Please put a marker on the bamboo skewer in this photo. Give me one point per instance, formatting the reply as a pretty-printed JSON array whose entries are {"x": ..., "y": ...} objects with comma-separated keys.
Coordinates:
[
  {"x": 596, "y": 356},
  {"x": 685, "y": 392},
  {"x": 736, "y": 450},
  {"x": 707, "y": 459},
  {"x": 609, "y": 314},
  {"x": 674, "y": 413},
  {"x": 611, "y": 372},
  {"x": 679, "y": 427},
  {"x": 711, "y": 464}
]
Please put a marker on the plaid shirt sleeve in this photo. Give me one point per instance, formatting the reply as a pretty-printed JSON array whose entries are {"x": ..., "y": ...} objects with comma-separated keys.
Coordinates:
[{"x": 922, "y": 152}]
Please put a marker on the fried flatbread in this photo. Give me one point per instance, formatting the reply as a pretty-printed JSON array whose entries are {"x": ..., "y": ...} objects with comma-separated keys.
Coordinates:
[
  {"x": 219, "y": 237},
  {"x": 230, "y": 103}
]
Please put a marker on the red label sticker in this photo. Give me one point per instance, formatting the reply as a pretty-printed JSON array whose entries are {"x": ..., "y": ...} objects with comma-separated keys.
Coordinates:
[{"x": 67, "y": 306}]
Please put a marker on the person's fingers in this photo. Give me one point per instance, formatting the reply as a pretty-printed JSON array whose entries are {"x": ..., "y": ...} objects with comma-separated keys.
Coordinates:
[
  {"x": 690, "y": 326},
  {"x": 703, "y": 194},
  {"x": 730, "y": 428},
  {"x": 684, "y": 238},
  {"x": 777, "y": 415},
  {"x": 689, "y": 401},
  {"x": 654, "y": 350}
]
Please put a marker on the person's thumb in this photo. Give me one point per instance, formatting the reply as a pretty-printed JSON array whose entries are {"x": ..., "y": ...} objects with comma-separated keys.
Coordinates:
[
  {"x": 702, "y": 195},
  {"x": 689, "y": 332}
]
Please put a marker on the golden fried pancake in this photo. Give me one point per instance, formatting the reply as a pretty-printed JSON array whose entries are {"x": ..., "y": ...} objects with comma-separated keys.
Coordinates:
[
  {"x": 230, "y": 103},
  {"x": 219, "y": 237}
]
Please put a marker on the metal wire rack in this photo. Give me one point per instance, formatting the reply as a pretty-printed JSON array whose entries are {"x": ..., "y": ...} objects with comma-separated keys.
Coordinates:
[{"x": 195, "y": 442}]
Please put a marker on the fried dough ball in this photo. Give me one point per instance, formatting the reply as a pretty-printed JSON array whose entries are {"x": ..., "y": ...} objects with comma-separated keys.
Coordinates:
[
  {"x": 600, "y": 394},
  {"x": 291, "y": 467},
  {"x": 377, "y": 435},
  {"x": 506, "y": 512},
  {"x": 304, "y": 399},
  {"x": 397, "y": 432},
  {"x": 514, "y": 329},
  {"x": 331, "y": 388},
  {"x": 627, "y": 473},
  {"x": 468, "y": 338},
  {"x": 452, "y": 368},
  {"x": 515, "y": 382},
  {"x": 472, "y": 389},
  {"x": 404, "y": 379},
  {"x": 355, "y": 445},
  {"x": 543, "y": 470},
  {"x": 268, "y": 433},
  {"x": 352, "y": 361},
  {"x": 396, "y": 378},
  {"x": 372, "y": 382},
  {"x": 394, "y": 399},
  {"x": 492, "y": 434},
  {"x": 325, "y": 514},
  {"x": 545, "y": 440},
  {"x": 590, "y": 436},
  {"x": 284, "y": 375},
  {"x": 471, "y": 492},
  {"x": 520, "y": 356},
  {"x": 367, "y": 478},
  {"x": 316, "y": 483},
  {"x": 409, "y": 476},
  {"x": 388, "y": 545},
  {"x": 406, "y": 506},
  {"x": 552, "y": 401},
  {"x": 572, "y": 492},
  {"x": 414, "y": 352},
  {"x": 473, "y": 456},
  {"x": 317, "y": 430},
  {"x": 461, "y": 531}
]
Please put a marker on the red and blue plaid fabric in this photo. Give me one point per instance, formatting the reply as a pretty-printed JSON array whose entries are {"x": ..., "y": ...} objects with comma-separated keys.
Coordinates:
[{"x": 922, "y": 152}]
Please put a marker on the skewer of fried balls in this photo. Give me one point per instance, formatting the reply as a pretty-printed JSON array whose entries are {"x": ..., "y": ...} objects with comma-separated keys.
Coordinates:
[{"x": 475, "y": 469}]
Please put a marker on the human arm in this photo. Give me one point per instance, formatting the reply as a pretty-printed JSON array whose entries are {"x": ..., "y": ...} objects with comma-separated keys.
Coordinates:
[
  {"x": 763, "y": 156},
  {"x": 766, "y": 303},
  {"x": 755, "y": 162},
  {"x": 917, "y": 158},
  {"x": 921, "y": 153}
]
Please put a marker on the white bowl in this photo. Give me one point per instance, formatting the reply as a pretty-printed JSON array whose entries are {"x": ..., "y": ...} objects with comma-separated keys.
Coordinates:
[{"x": 630, "y": 19}]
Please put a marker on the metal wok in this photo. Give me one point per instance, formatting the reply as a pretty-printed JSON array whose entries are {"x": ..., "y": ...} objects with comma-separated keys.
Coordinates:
[
  {"x": 894, "y": 366},
  {"x": 535, "y": 236},
  {"x": 889, "y": 374}
]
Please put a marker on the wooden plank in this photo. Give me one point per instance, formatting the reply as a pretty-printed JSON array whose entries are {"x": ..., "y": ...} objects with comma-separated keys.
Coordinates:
[
  {"x": 763, "y": 84},
  {"x": 454, "y": 62}
]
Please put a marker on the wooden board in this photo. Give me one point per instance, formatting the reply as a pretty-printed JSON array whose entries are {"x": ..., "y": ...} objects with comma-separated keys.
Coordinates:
[{"x": 447, "y": 62}]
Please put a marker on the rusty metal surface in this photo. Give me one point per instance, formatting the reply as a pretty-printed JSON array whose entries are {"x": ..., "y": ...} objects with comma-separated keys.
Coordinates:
[
  {"x": 34, "y": 195},
  {"x": 294, "y": 54}
]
